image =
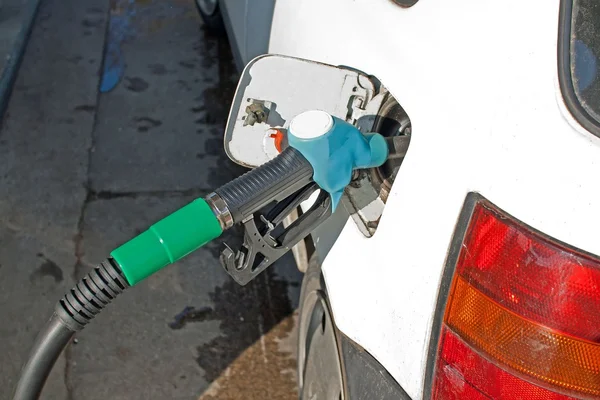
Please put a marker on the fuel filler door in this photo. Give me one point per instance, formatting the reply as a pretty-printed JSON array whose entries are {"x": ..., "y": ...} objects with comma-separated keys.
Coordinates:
[{"x": 273, "y": 89}]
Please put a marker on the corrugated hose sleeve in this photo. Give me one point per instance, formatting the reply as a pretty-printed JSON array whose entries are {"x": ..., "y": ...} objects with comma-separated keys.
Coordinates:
[{"x": 260, "y": 186}]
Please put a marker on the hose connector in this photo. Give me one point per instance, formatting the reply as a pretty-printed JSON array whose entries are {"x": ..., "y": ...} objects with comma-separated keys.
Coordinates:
[{"x": 220, "y": 209}]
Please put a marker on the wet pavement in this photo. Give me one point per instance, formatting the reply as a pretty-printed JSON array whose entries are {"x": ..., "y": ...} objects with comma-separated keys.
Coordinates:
[{"x": 116, "y": 120}]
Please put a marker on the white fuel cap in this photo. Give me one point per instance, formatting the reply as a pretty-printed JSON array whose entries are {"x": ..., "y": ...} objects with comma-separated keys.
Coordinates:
[{"x": 311, "y": 124}]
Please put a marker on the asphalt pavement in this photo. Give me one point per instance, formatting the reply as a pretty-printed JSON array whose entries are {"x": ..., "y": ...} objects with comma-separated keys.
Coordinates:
[{"x": 115, "y": 120}]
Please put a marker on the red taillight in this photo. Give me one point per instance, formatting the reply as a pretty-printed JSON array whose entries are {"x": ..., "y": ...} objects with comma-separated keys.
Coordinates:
[{"x": 522, "y": 319}]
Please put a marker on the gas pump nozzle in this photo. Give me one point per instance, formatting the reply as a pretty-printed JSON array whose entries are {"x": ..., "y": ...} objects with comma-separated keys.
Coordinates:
[
  {"x": 322, "y": 154},
  {"x": 323, "y": 151}
]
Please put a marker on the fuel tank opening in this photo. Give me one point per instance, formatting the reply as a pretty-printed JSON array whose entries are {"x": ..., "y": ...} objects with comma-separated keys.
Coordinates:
[
  {"x": 391, "y": 121},
  {"x": 369, "y": 189}
]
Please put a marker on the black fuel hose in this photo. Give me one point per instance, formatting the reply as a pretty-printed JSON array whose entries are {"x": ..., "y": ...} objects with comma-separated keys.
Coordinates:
[
  {"x": 71, "y": 314},
  {"x": 51, "y": 341}
]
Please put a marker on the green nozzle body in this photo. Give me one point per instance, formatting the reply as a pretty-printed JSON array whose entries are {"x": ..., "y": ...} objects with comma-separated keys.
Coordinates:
[{"x": 167, "y": 241}]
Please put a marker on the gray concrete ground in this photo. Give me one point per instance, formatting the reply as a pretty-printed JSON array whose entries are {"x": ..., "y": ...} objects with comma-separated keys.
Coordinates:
[{"x": 83, "y": 171}]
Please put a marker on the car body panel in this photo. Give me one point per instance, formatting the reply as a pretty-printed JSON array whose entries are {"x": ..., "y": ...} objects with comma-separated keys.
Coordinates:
[
  {"x": 234, "y": 17},
  {"x": 479, "y": 82},
  {"x": 248, "y": 25}
]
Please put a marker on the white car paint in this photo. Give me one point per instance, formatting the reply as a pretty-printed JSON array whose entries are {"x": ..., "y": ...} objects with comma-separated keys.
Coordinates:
[{"x": 478, "y": 78}]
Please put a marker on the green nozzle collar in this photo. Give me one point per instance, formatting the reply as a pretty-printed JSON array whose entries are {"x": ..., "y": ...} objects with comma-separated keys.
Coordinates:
[{"x": 167, "y": 241}]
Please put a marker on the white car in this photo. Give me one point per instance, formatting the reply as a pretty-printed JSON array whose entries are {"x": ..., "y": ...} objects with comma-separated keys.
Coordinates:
[{"x": 472, "y": 270}]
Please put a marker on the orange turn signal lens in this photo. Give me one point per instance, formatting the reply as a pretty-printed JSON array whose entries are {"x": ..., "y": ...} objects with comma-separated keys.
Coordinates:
[{"x": 540, "y": 354}]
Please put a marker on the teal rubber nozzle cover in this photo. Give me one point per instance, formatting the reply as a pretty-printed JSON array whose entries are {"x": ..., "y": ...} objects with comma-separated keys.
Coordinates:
[
  {"x": 335, "y": 148},
  {"x": 168, "y": 240}
]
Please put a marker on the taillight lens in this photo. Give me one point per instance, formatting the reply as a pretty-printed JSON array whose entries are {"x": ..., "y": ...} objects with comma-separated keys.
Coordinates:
[{"x": 522, "y": 319}]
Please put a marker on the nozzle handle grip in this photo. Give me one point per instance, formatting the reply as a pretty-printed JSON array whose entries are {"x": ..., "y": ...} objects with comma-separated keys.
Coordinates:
[{"x": 273, "y": 181}]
